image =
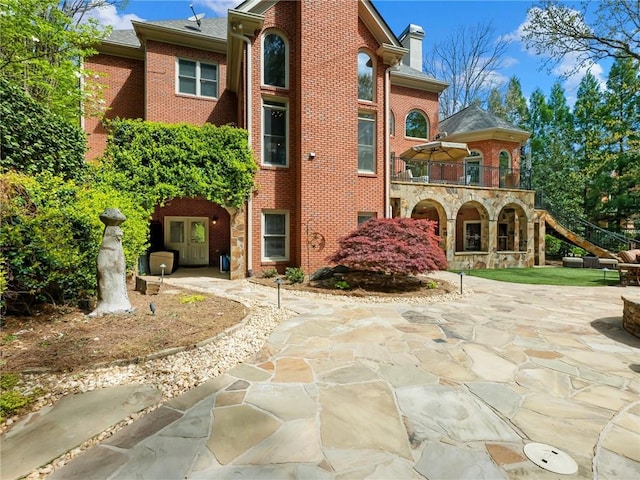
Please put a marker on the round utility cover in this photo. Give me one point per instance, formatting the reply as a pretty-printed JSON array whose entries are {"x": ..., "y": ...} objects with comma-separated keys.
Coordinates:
[{"x": 550, "y": 458}]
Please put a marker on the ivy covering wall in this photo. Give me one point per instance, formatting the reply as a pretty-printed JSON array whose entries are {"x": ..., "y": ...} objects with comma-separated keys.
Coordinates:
[{"x": 161, "y": 161}]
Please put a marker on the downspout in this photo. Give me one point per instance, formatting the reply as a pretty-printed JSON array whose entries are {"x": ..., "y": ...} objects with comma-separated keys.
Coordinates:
[
  {"x": 249, "y": 92},
  {"x": 387, "y": 147}
]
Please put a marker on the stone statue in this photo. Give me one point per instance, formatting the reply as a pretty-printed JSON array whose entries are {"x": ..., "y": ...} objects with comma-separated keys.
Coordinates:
[{"x": 112, "y": 279}]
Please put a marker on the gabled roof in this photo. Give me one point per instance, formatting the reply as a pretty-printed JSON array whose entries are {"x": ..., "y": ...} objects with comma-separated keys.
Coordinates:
[
  {"x": 473, "y": 123},
  {"x": 211, "y": 35}
]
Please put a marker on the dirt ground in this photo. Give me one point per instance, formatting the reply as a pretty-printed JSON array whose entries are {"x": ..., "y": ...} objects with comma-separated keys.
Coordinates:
[{"x": 65, "y": 339}]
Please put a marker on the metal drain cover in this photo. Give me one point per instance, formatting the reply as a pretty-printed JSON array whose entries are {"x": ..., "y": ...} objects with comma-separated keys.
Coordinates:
[{"x": 550, "y": 458}]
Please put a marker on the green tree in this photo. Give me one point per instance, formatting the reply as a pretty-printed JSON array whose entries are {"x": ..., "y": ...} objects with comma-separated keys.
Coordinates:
[
  {"x": 618, "y": 177},
  {"x": 33, "y": 140},
  {"x": 589, "y": 131},
  {"x": 42, "y": 50},
  {"x": 562, "y": 31},
  {"x": 516, "y": 110},
  {"x": 495, "y": 103}
]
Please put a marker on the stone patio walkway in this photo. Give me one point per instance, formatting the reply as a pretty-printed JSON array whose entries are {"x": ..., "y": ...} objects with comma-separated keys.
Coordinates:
[{"x": 448, "y": 390}]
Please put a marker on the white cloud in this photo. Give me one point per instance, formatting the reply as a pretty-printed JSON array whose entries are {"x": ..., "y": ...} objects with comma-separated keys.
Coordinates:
[
  {"x": 108, "y": 15},
  {"x": 219, "y": 7}
]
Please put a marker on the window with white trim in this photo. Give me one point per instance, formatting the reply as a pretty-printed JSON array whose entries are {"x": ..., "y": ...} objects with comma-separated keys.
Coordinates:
[
  {"x": 366, "y": 142},
  {"x": 365, "y": 77},
  {"x": 197, "y": 78},
  {"x": 417, "y": 125},
  {"x": 274, "y": 60},
  {"x": 275, "y": 121},
  {"x": 275, "y": 235}
]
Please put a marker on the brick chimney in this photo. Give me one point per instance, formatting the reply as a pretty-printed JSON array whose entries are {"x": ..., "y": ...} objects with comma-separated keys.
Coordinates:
[{"x": 412, "y": 38}]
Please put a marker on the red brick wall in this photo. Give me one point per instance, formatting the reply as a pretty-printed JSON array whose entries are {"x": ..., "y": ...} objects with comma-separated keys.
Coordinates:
[
  {"x": 402, "y": 101},
  {"x": 219, "y": 234},
  {"x": 165, "y": 105},
  {"x": 491, "y": 151},
  {"x": 123, "y": 79}
]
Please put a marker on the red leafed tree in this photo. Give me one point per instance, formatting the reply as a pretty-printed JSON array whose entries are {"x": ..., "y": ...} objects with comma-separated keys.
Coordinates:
[{"x": 395, "y": 246}]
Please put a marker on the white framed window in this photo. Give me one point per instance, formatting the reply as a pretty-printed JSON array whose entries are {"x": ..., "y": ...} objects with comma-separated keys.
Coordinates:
[
  {"x": 416, "y": 125},
  {"x": 366, "y": 142},
  {"x": 275, "y": 125},
  {"x": 275, "y": 55},
  {"x": 392, "y": 124},
  {"x": 196, "y": 78},
  {"x": 472, "y": 165},
  {"x": 275, "y": 235},
  {"x": 504, "y": 160},
  {"x": 365, "y": 77}
]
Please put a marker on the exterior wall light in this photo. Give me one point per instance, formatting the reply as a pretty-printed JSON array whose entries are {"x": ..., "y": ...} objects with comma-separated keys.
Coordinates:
[
  {"x": 214, "y": 220},
  {"x": 312, "y": 155}
]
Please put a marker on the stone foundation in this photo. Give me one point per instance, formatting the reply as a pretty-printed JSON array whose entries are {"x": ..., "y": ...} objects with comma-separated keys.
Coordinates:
[{"x": 631, "y": 316}]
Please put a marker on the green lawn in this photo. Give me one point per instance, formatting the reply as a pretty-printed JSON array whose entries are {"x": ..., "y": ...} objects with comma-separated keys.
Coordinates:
[{"x": 576, "y": 277}]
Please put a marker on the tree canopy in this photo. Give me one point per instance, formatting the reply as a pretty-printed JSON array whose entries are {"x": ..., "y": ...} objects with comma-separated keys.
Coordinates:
[
  {"x": 33, "y": 140},
  {"x": 42, "y": 50},
  {"x": 395, "y": 246},
  {"x": 597, "y": 30}
]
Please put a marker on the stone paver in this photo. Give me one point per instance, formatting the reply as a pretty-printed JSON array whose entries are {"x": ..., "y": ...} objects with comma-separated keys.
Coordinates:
[{"x": 402, "y": 390}]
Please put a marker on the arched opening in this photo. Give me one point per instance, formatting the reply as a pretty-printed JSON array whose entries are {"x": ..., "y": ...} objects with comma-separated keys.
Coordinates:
[
  {"x": 472, "y": 228},
  {"x": 512, "y": 229},
  {"x": 432, "y": 210}
]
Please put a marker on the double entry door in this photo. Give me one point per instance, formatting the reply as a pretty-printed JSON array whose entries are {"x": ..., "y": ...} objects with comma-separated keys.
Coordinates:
[{"x": 190, "y": 236}]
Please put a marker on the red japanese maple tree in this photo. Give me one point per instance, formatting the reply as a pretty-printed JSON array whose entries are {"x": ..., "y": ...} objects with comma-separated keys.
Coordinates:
[{"x": 395, "y": 246}]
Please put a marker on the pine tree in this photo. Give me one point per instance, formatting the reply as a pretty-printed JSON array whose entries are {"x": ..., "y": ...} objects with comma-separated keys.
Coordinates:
[{"x": 516, "y": 110}]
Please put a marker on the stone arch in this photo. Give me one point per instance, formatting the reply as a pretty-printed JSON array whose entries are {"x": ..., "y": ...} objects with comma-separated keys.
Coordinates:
[
  {"x": 430, "y": 209},
  {"x": 512, "y": 232},
  {"x": 472, "y": 228}
]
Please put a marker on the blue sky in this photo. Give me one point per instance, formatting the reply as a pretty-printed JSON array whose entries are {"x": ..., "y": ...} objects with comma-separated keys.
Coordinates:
[{"x": 438, "y": 18}]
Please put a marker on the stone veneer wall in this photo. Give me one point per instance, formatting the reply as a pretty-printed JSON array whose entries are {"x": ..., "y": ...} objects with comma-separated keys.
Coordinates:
[
  {"x": 631, "y": 316},
  {"x": 450, "y": 199},
  {"x": 238, "y": 263}
]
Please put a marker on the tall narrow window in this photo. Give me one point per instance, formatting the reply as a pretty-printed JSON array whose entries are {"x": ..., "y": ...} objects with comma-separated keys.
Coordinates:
[
  {"x": 366, "y": 143},
  {"x": 365, "y": 77},
  {"x": 274, "y": 72},
  {"x": 505, "y": 166},
  {"x": 197, "y": 78},
  {"x": 392, "y": 123},
  {"x": 274, "y": 144},
  {"x": 472, "y": 167},
  {"x": 275, "y": 237},
  {"x": 416, "y": 125}
]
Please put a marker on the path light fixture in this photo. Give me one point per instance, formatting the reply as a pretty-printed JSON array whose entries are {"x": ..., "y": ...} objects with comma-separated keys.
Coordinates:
[
  {"x": 604, "y": 273},
  {"x": 162, "y": 266},
  {"x": 462, "y": 274},
  {"x": 278, "y": 282}
]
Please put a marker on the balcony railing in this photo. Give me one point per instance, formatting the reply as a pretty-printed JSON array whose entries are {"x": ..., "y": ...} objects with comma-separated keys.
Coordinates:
[{"x": 459, "y": 173}]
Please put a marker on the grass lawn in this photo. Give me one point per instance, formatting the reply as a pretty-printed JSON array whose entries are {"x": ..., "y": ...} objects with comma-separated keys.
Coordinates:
[{"x": 576, "y": 277}]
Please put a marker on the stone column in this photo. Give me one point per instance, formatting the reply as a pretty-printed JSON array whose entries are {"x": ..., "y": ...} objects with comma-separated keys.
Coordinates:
[{"x": 238, "y": 248}]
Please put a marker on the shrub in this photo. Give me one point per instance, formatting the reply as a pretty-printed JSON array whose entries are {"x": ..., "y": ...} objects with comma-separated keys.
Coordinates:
[
  {"x": 294, "y": 274},
  {"x": 269, "y": 273},
  {"x": 34, "y": 140},
  {"x": 342, "y": 285},
  {"x": 51, "y": 233},
  {"x": 395, "y": 246},
  {"x": 552, "y": 245}
]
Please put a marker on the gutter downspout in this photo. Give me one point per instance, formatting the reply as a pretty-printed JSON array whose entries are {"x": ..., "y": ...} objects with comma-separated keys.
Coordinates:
[
  {"x": 387, "y": 147},
  {"x": 249, "y": 92}
]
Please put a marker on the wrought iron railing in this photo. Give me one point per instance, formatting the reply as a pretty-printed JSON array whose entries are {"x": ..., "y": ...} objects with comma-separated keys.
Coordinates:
[
  {"x": 459, "y": 173},
  {"x": 611, "y": 241}
]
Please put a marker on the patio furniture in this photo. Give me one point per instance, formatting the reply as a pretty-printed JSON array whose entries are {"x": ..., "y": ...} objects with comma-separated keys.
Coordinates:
[
  {"x": 629, "y": 267},
  {"x": 572, "y": 262},
  {"x": 590, "y": 262}
]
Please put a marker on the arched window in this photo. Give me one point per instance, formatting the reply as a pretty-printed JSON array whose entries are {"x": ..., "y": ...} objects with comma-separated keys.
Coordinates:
[
  {"x": 417, "y": 125},
  {"x": 365, "y": 77},
  {"x": 274, "y": 56}
]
